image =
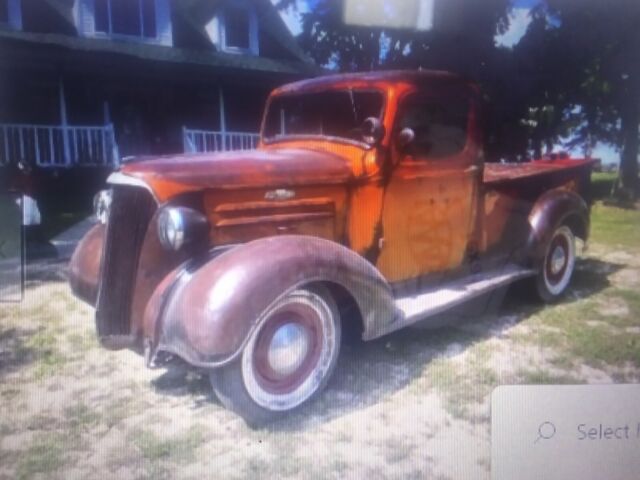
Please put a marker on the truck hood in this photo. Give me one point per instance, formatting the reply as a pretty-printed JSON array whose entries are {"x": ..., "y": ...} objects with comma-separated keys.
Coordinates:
[{"x": 171, "y": 175}]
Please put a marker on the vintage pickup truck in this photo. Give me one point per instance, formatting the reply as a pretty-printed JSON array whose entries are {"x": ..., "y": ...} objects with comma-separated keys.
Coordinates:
[{"x": 367, "y": 205}]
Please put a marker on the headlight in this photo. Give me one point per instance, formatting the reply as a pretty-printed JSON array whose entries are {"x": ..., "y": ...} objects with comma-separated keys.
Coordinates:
[
  {"x": 102, "y": 205},
  {"x": 180, "y": 226}
]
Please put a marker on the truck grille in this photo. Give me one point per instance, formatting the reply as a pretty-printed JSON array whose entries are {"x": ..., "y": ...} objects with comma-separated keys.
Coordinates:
[{"x": 129, "y": 217}]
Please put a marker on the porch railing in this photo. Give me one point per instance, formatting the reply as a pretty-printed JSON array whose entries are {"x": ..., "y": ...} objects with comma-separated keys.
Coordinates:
[
  {"x": 211, "y": 141},
  {"x": 50, "y": 146}
]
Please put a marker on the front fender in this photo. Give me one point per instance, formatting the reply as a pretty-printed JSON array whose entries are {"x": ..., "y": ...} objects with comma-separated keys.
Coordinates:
[
  {"x": 85, "y": 263},
  {"x": 551, "y": 210},
  {"x": 205, "y": 314}
]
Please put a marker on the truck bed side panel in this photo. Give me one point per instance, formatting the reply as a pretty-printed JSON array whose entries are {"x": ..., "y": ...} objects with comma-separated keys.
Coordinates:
[{"x": 510, "y": 190}]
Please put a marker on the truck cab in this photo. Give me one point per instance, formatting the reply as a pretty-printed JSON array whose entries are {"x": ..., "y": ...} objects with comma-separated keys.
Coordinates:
[
  {"x": 367, "y": 205},
  {"x": 416, "y": 171}
]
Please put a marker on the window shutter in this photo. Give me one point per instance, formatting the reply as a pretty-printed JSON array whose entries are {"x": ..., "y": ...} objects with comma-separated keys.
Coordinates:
[
  {"x": 15, "y": 14},
  {"x": 86, "y": 22},
  {"x": 163, "y": 22}
]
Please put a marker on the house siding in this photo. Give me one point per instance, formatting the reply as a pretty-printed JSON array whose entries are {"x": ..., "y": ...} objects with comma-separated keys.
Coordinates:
[{"x": 148, "y": 91}]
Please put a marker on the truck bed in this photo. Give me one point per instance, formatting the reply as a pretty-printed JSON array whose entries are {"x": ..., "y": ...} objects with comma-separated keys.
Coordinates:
[{"x": 498, "y": 173}]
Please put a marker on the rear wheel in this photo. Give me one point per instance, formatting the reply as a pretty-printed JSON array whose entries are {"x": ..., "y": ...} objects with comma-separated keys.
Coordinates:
[
  {"x": 288, "y": 358},
  {"x": 557, "y": 266}
]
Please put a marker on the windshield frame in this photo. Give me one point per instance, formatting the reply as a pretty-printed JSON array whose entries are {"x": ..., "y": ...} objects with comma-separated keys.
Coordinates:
[{"x": 310, "y": 136}]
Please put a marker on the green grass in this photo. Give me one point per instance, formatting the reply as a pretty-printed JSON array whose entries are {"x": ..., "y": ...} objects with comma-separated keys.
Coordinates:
[
  {"x": 610, "y": 225},
  {"x": 179, "y": 448},
  {"x": 598, "y": 346},
  {"x": 49, "y": 360},
  {"x": 602, "y": 183},
  {"x": 539, "y": 376},
  {"x": 81, "y": 417},
  {"x": 462, "y": 386},
  {"x": 615, "y": 227},
  {"x": 44, "y": 456},
  {"x": 604, "y": 341},
  {"x": 632, "y": 299}
]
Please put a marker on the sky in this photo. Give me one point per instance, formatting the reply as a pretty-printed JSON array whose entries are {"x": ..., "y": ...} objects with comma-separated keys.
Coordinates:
[
  {"x": 519, "y": 20},
  {"x": 291, "y": 16}
]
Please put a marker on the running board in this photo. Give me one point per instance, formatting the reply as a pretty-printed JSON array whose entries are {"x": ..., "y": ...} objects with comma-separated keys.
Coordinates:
[{"x": 427, "y": 304}]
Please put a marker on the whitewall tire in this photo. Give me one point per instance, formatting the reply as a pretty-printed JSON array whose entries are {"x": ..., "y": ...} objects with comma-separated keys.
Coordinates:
[{"x": 288, "y": 358}]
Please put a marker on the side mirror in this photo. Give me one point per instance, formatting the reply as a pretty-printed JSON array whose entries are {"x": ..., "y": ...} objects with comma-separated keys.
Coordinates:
[
  {"x": 406, "y": 136},
  {"x": 372, "y": 131}
]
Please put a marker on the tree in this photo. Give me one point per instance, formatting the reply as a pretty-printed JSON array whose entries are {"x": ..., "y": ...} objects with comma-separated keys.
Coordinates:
[{"x": 592, "y": 49}]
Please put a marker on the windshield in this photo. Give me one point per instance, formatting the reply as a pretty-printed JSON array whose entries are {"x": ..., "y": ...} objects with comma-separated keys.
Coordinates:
[{"x": 338, "y": 113}]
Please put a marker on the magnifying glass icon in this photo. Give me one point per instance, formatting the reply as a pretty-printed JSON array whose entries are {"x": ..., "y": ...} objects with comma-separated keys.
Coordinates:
[{"x": 546, "y": 431}]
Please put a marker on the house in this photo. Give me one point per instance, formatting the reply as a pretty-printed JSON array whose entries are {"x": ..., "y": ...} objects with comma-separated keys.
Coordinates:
[{"x": 88, "y": 82}]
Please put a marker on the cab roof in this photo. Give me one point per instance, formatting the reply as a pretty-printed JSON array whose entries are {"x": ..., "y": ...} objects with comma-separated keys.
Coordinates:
[{"x": 380, "y": 79}]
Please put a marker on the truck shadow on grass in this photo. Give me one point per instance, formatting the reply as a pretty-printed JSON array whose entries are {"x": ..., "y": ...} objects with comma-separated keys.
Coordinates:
[
  {"x": 181, "y": 380},
  {"x": 369, "y": 372}
]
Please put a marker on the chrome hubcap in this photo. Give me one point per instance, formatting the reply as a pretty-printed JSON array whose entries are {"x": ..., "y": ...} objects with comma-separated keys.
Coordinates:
[
  {"x": 288, "y": 348},
  {"x": 558, "y": 259},
  {"x": 291, "y": 352}
]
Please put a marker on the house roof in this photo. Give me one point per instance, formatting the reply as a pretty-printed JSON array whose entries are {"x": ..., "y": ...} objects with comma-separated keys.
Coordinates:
[
  {"x": 157, "y": 53},
  {"x": 57, "y": 31}
]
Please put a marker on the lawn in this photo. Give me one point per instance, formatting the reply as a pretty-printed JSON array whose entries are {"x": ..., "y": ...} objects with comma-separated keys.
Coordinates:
[
  {"x": 396, "y": 407},
  {"x": 615, "y": 227},
  {"x": 602, "y": 184}
]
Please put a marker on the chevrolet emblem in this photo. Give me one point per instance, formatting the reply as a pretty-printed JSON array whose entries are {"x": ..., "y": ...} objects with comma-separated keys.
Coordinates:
[{"x": 279, "y": 194}]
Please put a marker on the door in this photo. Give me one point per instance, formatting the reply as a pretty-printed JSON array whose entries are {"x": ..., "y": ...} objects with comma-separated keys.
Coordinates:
[{"x": 432, "y": 196}]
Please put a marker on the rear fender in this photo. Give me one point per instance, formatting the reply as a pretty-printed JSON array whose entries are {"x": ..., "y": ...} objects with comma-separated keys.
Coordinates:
[
  {"x": 555, "y": 208},
  {"x": 205, "y": 314}
]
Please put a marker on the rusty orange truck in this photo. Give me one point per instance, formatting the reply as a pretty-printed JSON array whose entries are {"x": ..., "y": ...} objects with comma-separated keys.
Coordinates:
[{"x": 367, "y": 205}]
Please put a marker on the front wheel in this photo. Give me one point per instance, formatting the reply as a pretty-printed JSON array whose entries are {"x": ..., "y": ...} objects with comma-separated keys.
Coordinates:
[
  {"x": 289, "y": 356},
  {"x": 557, "y": 266}
]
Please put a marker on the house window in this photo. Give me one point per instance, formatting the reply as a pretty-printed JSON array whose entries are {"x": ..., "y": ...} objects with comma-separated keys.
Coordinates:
[
  {"x": 237, "y": 27},
  {"x": 133, "y": 18},
  {"x": 10, "y": 13},
  {"x": 239, "y": 30}
]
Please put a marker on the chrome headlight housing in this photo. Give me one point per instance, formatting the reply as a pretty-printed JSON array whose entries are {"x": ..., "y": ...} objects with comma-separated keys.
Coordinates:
[
  {"x": 180, "y": 226},
  {"x": 102, "y": 205}
]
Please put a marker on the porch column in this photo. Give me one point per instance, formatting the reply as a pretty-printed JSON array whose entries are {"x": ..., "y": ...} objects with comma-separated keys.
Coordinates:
[
  {"x": 63, "y": 122},
  {"x": 223, "y": 121},
  {"x": 106, "y": 112}
]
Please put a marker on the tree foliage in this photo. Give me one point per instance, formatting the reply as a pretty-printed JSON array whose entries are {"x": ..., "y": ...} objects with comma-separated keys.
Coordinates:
[{"x": 599, "y": 42}]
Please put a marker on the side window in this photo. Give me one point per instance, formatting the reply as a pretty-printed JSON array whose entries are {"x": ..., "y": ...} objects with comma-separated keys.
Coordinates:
[{"x": 440, "y": 126}]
